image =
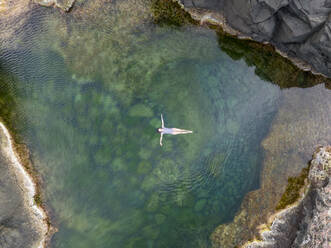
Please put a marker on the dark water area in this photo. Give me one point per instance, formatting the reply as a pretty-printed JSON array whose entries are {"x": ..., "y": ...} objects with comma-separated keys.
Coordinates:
[{"x": 87, "y": 91}]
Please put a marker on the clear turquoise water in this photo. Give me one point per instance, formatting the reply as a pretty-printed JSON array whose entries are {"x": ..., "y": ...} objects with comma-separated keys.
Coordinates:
[{"x": 88, "y": 104}]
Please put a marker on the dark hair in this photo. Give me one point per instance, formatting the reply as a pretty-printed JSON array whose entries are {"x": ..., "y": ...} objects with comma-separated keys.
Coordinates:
[{"x": 157, "y": 130}]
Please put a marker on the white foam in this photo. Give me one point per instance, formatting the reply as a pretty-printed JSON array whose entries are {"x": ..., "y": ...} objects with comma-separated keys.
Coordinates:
[{"x": 28, "y": 185}]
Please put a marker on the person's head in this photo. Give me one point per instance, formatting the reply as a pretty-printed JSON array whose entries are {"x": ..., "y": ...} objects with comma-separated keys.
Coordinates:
[{"x": 159, "y": 130}]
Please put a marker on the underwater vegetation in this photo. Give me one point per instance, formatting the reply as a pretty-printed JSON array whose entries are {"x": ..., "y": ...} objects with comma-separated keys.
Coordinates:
[
  {"x": 293, "y": 189},
  {"x": 170, "y": 13},
  {"x": 269, "y": 64},
  {"x": 7, "y": 98}
]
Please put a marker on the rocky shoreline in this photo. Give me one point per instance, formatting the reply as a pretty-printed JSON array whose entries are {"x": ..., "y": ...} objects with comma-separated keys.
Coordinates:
[
  {"x": 299, "y": 29},
  {"x": 307, "y": 222},
  {"x": 286, "y": 153},
  {"x": 23, "y": 219}
]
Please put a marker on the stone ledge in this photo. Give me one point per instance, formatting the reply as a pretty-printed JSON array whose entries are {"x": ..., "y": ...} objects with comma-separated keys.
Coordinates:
[
  {"x": 307, "y": 222},
  {"x": 65, "y": 5}
]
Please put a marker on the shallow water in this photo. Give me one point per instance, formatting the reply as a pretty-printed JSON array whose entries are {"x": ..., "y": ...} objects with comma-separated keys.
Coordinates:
[{"x": 88, "y": 100}]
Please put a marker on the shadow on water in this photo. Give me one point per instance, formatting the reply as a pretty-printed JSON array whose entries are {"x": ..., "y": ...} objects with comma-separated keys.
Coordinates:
[{"x": 269, "y": 65}]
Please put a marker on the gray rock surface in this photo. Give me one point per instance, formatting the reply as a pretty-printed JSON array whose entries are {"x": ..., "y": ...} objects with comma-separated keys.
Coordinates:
[
  {"x": 19, "y": 227},
  {"x": 299, "y": 28},
  {"x": 308, "y": 224},
  {"x": 65, "y": 5}
]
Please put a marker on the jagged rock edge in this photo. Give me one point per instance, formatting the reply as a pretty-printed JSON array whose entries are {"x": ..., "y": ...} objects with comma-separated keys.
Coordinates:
[{"x": 209, "y": 17}]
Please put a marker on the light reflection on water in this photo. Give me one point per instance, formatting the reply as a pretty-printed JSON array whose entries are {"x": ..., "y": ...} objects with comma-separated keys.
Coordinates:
[{"x": 89, "y": 104}]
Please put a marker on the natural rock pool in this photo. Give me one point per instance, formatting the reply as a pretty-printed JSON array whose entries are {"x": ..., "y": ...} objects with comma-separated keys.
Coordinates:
[{"x": 87, "y": 90}]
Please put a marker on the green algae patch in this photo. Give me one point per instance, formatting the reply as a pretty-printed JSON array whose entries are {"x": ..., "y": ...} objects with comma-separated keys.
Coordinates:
[
  {"x": 10, "y": 116},
  {"x": 168, "y": 12},
  {"x": 153, "y": 203},
  {"x": 270, "y": 65},
  {"x": 140, "y": 110},
  {"x": 144, "y": 167},
  {"x": 293, "y": 189},
  {"x": 38, "y": 200},
  {"x": 155, "y": 122},
  {"x": 200, "y": 205},
  {"x": 145, "y": 153},
  {"x": 8, "y": 106},
  {"x": 151, "y": 232},
  {"x": 159, "y": 218},
  {"x": 119, "y": 165}
]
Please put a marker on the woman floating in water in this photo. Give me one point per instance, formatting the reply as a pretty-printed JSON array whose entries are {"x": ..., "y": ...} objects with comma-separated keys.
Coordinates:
[{"x": 172, "y": 131}]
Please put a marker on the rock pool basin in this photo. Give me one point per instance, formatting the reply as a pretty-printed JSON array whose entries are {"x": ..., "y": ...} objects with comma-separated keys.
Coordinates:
[{"x": 88, "y": 90}]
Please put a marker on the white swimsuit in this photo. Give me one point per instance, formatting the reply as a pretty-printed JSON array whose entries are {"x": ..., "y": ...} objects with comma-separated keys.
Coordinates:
[{"x": 166, "y": 130}]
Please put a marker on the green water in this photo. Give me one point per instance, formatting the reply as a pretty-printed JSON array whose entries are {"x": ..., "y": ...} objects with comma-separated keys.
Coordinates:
[{"x": 87, "y": 101}]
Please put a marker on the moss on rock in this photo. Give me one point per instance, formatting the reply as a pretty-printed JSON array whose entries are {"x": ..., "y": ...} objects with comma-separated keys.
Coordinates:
[
  {"x": 293, "y": 189},
  {"x": 37, "y": 199},
  {"x": 170, "y": 13},
  {"x": 8, "y": 111},
  {"x": 270, "y": 65}
]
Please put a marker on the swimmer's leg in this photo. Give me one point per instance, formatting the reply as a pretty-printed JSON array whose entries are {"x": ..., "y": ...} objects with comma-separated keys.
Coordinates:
[
  {"x": 180, "y": 131},
  {"x": 186, "y": 131}
]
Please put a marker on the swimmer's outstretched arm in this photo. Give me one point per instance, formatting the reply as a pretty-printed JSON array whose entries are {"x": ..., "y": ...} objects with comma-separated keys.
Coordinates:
[
  {"x": 161, "y": 139},
  {"x": 162, "y": 122}
]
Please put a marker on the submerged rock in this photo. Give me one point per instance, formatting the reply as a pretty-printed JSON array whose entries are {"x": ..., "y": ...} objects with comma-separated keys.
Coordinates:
[
  {"x": 307, "y": 224},
  {"x": 200, "y": 205},
  {"x": 151, "y": 232},
  {"x": 140, "y": 110},
  {"x": 159, "y": 218},
  {"x": 153, "y": 203}
]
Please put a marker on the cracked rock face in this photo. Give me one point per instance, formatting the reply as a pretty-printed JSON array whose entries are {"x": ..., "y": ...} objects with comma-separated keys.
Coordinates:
[
  {"x": 300, "y": 28},
  {"x": 308, "y": 224}
]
